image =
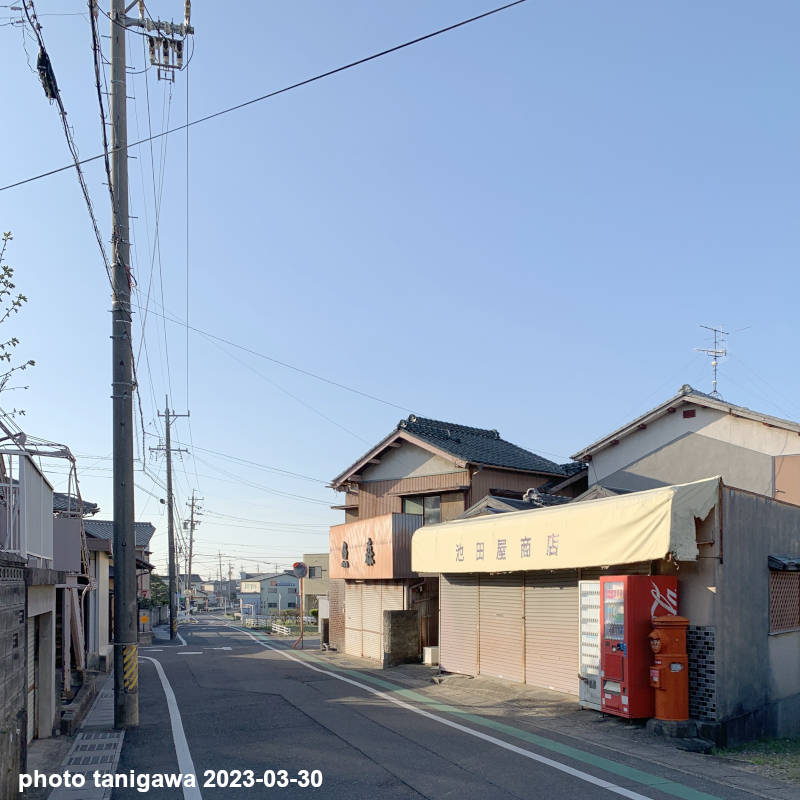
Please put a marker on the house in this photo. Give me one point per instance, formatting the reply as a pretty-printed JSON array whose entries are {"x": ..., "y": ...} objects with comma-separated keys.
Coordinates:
[
  {"x": 103, "y": 529},
  {"x": 693, "y": 435},
  {"x": 315, "y": 584},
  {"x": 697, "y": 488},
  {"x": 424, "y": 472},
  {"x": 269, "y": 594},
  {"x": 99, "y": 617}
]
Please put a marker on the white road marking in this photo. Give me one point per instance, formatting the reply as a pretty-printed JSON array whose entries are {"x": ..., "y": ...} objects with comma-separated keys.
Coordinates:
[
  {"x": 576, "y": 773},
  {"x": 190, "y": 653},
  {"x": 183, "y": 641},
  {"x": 185, "y": 763},
  {"x": 152, "y": 649}
]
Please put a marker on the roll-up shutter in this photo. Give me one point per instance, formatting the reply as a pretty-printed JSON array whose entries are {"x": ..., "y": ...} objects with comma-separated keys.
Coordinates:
[
  {"x": 352, "y": 619},
  {"x": 31, "y": 671},
  {"x": 501, "y": 632},
  {"x": 372, "y": 618},
  {"x": 458, "y": 624},
  {"x": 393, "y": 597},
  {"x": 551, "y": 630}
]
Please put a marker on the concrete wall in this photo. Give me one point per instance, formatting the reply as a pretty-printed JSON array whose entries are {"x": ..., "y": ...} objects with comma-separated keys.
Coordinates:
[
  {"x": 758, "y": 673},
  {"x": 12, "y": 674},
  {"x": 42, "y": 605},
  {"x": 400, "y": 637},
  {"x": 408, "y": 461}
]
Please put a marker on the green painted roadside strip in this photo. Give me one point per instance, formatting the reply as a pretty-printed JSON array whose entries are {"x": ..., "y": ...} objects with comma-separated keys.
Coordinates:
[{"x": 636, "y": 775}]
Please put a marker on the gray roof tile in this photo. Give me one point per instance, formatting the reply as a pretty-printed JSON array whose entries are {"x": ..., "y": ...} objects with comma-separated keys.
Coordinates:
[
  {"x": 104, "y": 529},
  {"x": 478, "y": 445}
]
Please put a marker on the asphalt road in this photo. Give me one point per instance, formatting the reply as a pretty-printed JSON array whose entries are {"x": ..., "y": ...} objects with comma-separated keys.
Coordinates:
[{"x": 247, "y": 705}]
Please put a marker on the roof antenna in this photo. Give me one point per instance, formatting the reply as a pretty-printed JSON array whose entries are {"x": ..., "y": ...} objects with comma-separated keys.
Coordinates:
[{"x": 717, "y": 352}]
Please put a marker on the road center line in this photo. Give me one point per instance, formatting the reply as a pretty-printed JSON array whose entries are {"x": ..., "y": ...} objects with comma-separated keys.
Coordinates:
[
  {"x": 185, "y": 763},
  {"x": 576, "y": 773}
]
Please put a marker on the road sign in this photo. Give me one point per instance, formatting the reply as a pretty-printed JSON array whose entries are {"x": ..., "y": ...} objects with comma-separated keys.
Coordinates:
[{"x": 299, "y": 569}]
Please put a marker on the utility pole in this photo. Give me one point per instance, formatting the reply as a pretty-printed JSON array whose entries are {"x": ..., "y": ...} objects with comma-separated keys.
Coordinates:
[
  {"x": 126, "y": 648},
  {"x": 230, "y": 571},
  {"x": 193, "y": 523},
  {"x": 169, "y": 416}
]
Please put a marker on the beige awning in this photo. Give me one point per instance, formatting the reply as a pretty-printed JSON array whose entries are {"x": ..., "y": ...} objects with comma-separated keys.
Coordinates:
[{"x": 640, "y": 526}]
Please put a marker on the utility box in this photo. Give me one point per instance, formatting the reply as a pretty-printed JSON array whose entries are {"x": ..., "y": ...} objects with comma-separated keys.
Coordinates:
[{"x": 430, "y": 656}]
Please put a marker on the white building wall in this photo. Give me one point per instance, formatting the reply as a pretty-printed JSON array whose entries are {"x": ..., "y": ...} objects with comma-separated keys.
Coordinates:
[{"x": 408, "y": 461}]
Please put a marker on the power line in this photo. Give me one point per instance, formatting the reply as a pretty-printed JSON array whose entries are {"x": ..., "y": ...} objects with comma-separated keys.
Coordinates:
[
  {"x": 285, "y": 89},
  {"x": 277, "y": 361}
]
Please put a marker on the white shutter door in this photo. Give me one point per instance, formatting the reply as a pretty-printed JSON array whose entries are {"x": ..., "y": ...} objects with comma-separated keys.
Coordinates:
[
  {"x": 501, "y": 633},
  {"x": 458, "y": 624},
  {"x": 352, "y": 619},
  {"x": 372, "y": 644},
  {"x": 551, "y": 630}
]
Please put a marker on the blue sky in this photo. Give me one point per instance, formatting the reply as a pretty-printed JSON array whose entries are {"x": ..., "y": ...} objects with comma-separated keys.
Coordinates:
[{"x": 518, "y": 225}]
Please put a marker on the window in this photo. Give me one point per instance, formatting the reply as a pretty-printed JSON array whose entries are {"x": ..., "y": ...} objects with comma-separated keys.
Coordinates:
[
  {"x": 784, "y": 601},
  {"x": 272, "y": 605},
  {"x": 292, "y": 605},
  {"x": 315, "y": 572},
  {"x": 428, "y": 505}
]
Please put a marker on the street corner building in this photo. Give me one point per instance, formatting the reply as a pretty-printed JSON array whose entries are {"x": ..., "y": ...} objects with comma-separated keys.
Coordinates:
[
  {"x": 659, "y": 530},
  {"x": 423, "y": 473}
]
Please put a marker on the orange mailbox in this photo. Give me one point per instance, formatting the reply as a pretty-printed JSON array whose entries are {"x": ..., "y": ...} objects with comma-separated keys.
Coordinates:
[{"x": 669, "y": 674}]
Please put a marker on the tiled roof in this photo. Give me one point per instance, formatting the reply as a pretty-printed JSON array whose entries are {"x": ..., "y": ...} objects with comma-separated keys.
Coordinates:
[
  {"x": 64, "y": 502},
  {"x": 104, "y": 529},
  {"x": 477, "y": 445}
]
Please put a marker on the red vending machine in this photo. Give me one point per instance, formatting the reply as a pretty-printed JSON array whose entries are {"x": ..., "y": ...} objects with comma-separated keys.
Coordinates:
[{"x": 629, "y": 602}]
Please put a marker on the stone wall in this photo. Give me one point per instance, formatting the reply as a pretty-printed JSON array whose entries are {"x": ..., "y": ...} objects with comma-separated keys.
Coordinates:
[
  {"x": 13, "y": 721},
  {"x": 400, "y": 637}
]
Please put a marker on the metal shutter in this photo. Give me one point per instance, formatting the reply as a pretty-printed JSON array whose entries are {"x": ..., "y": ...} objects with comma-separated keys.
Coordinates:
[
  {"x": 458, "y": 624},
  {"x": 372, "y": 619},
  {"x": 501, "y": 648},
  {"x": 352, "y": 619},
  {"x": 589, "y": 647},
  {"x": 551, "y": 630}
]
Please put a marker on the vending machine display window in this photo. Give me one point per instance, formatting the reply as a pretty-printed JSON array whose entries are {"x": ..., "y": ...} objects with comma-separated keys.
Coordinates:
[{"x": 614, "y": 611}]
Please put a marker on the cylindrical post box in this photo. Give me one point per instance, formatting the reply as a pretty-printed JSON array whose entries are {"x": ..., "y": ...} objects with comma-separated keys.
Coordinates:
[{"x": 669, "y": 674}]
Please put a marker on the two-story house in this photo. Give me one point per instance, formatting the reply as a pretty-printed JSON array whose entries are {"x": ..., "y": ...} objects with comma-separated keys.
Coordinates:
[{"x": 425, "y": 471}]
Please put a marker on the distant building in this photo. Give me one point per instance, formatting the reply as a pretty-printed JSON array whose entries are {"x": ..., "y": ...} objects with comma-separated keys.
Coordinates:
[
  {"x": 315, "y": 584},
  {"x": 269, "y": 594}
]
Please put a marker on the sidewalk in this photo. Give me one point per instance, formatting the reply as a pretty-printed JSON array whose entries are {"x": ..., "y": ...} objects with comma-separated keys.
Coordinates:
[
  {"x": 558, "y": 716},
  {"x": 96, "y": 747}
]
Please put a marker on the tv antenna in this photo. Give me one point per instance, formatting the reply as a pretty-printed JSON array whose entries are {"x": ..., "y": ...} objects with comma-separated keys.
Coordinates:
[{"x": 717, "y": 352}]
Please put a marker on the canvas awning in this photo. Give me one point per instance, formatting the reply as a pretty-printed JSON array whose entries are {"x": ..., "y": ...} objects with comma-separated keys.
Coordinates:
[{"x": 640, "y": 526}]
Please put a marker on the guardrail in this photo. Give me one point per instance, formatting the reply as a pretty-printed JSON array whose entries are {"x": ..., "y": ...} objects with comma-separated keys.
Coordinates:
[{"x": 278, "y": 628}]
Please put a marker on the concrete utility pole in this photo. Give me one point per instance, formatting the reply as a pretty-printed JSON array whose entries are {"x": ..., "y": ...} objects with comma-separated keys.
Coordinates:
[
  {"x": 126, "y": 669},
  {"x": 193, "y": 523},
  {"x": 169, "y": 38},
  {"x": 169, "y": 416}
]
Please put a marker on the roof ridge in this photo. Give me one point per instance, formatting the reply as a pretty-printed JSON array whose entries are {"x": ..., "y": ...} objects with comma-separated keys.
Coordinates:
[{"x": 413, "y": 419}]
